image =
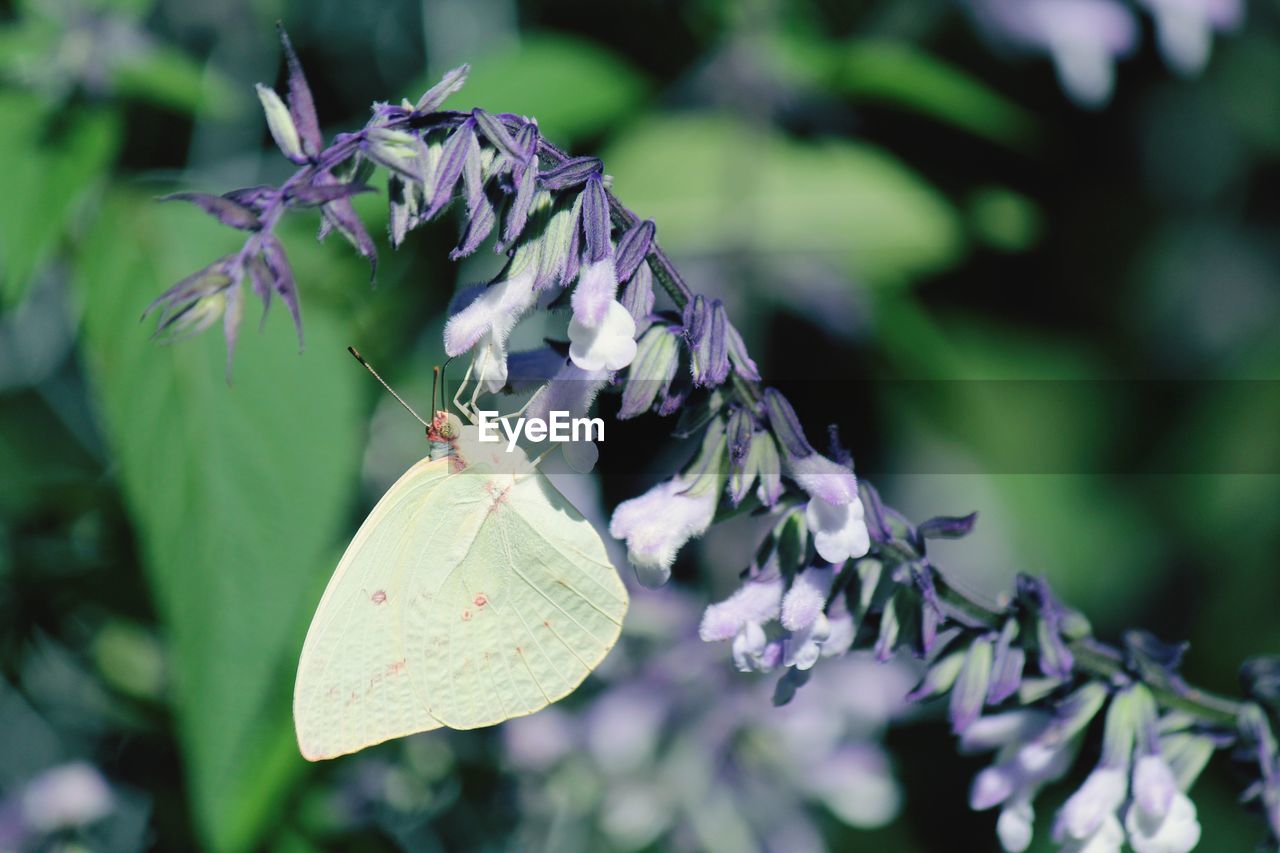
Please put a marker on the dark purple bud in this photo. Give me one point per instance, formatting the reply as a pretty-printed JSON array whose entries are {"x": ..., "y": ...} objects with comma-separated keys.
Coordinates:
[
  {"x": 570, "y": 173},
  {"x": 1056, "y": 660},
  {"x": 704, "y": 331},
  {"x": 836, "y": 449},
  {"x": 225, "y": 210},
  {"x": 342, "y": 216},
  {"x": 670, "y": 403},
  {"x": 282, "y": 279},
  {"x": 435, "y": 96},
  {"x": 499, "y": 137},
  {"x": 742, "y": 363},
  {"x": 930, "y": 607},
  {"x": 312, "y": 195},
  {"x": 633, "y": 245},
  {"x": 791, "y": 681},
  {"x": 947, "y": 527},
  {"x": 194, "y": 303},
  {"x": 786, "y": 426},
  {"x": 453, "y": 158},
  {"x": 595, "y": 220},
  {"x": 741, "y": 427},
  {"x": 1153, "y": 658},
  {"x": 1006, "y": 669},
  {"x": 301, "y": 105},
  {"x": 518, "y": 212},
  {"x": 256, "y": 198},
  {"x": 637, "y": 296}
]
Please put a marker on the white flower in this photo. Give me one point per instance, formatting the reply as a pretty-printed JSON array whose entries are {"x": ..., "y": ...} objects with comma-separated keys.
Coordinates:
[
  {"x": 1177, "y": 831},
  {"x": 1092, "y": 806},
  {"x": 803, "y": 647},
  {"x": 608, "y": 345},
  {"x": 1161, "y": 819},
  {"x": 748, "y": 647},
  {"x": 1185, "y": 29},
  {"x": 1015, "y": 825},
  {"x": 1107, "y": 838},
  {"x": 840, "y": 621},
  {"x": 839, "y": 530},
  {"x": 658, "y": 523},
  {"x": 69, "y": 795}
]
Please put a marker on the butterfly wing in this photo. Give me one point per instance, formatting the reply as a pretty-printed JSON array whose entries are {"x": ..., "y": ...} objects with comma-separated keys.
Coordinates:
[
  {"x": 533, "y": 607},
  {"x": 354, "y": 686}
]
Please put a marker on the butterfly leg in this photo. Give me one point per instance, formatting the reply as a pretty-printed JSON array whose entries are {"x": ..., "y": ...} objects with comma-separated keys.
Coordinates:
[{"x": 457, "y": 397}]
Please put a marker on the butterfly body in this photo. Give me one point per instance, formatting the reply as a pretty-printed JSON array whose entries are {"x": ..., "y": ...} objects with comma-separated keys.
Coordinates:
[{"x": 473, "y": 593}]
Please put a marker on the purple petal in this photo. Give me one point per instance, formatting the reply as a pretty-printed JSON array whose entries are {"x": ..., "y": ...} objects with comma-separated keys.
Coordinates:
[
  {"x": 633, "y": 245},
  {"x": 570, "y": 173},
  {"x": 637, "y": 296},
  {"x": 453, "y": 157},
  {"x": 1006, "y": 669},
  {"x": 947, "y": 527},
  {"x": 499, "y": 137},
  {"x": 435, "y": 96},
  {"x": 595, "y": 220},
  {"x": 786, "y": 426},
  {"x": 301, "y": 105},
  {"x": 262, "y": 282},
  {"x": 225, "y": 210},
  {"x": 282, "y": 276},
  {"x": 342, "y": 216},
  {"x": 969, "y": 693},
  {"x": 309, "y": 195},
  {"x": 253, "y": 197},
  {"x": 518, "y": 212}
]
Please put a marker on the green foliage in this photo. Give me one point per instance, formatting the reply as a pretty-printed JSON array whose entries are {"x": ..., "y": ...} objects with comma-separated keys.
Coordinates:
[
  {"x": 52, "y": 162},
  {"x": 573, "y": 87},
  {"x": 718, "y": 186},
  {"x": 238, "y": 494}
]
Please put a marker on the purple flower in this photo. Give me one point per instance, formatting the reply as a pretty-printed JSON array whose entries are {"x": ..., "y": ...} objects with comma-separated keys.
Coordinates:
[
  {"x": 1185, "y": 28},
  {"x": 755, "y": 602},
  {"x": 1084, "y": 38},
  {"x": 485, "y": 323},
  {"x": 66, "y": 796}
]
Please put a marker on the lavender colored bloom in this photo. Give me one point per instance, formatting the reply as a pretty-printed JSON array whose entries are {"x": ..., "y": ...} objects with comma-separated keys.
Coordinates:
[
  {"x": 804, "y": 602},
  {"x": 1185, "y": 28},
  {"x": 1084, "y": 38},
  {"x": 657, "y": 525},
  {"x": 486, "y": 322},
  {"x": 756, "y": 601},
  {"x": 66, "y": 796},
  {"x": 598, "y": 279},
  {"x": 571, "y": 390}
]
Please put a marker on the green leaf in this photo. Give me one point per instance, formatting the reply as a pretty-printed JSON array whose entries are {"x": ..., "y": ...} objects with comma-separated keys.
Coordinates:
[
  {"x": 718, "y": 187},
  {"x": 168, "y": 77},
  {"x": 49, "y": 168},
  {"x": 573, "y": 87},
  {"x": 905, "y": 76},
  {"x": 238, "y": 494}
]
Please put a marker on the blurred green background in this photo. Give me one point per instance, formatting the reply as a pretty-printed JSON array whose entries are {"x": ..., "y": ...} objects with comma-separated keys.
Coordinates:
[{"x": 909, "y": 225}]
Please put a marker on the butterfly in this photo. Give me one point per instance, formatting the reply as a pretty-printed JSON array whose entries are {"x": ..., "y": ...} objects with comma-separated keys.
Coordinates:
[{"x": 473, "y": 593}]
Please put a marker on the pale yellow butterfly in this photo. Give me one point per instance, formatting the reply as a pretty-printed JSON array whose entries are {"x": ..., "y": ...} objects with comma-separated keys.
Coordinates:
[{"x": 473, "y": 593}]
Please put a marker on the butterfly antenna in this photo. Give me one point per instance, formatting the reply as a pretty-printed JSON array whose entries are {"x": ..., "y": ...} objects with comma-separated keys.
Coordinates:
[
  {"x": 435, "y": 385},
  {"x": 392, "y": 391}
]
